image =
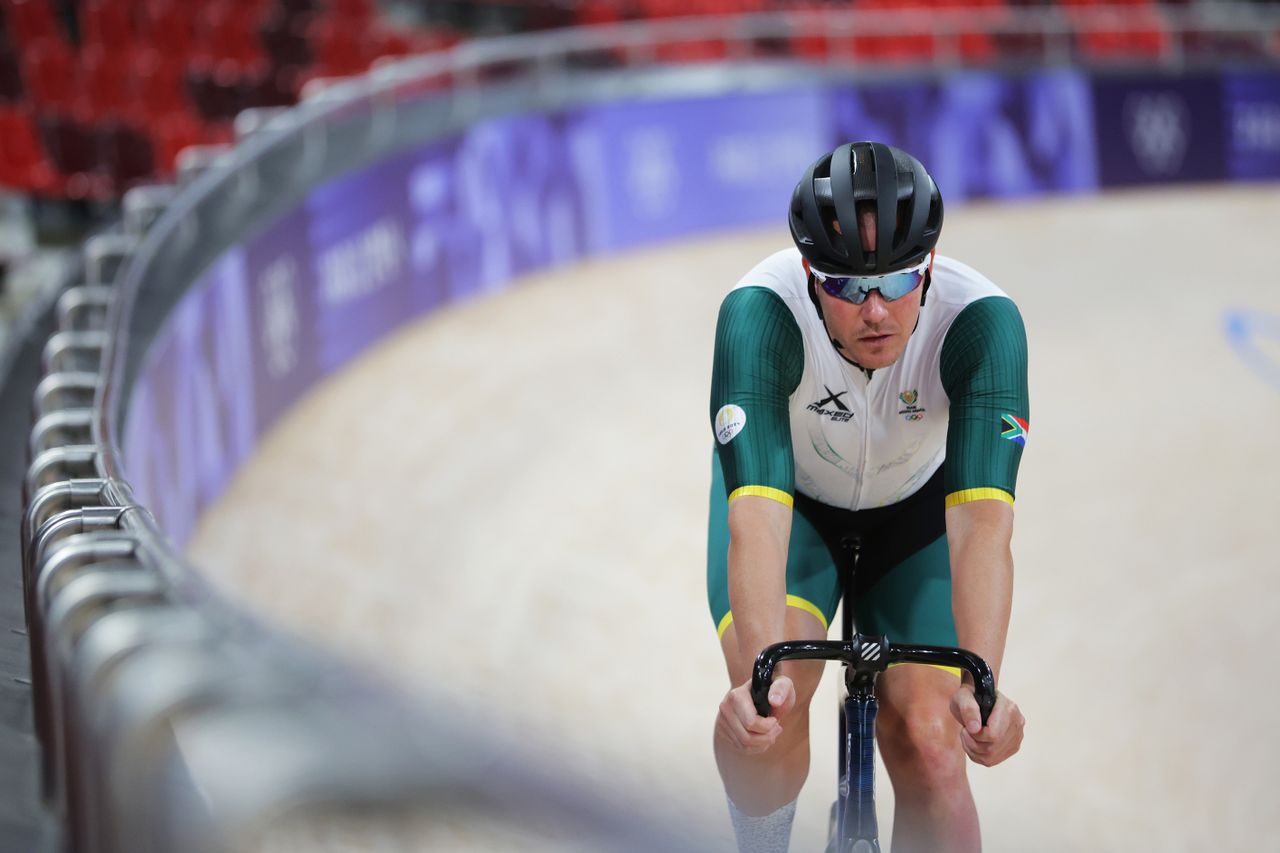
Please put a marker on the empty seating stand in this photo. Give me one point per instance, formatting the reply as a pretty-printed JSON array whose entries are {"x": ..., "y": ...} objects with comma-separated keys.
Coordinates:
[
  {"x": 1117, "y": 30},
  {"x": 99, "y": 95}
]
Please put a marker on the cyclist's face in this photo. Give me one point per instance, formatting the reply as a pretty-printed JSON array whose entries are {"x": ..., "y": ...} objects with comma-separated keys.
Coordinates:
[{"x": 875, "y": 333}]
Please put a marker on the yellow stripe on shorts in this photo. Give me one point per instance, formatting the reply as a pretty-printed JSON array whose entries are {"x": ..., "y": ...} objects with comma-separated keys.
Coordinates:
[
  {"x": 954, "y": 670},
  {"x": 792, "y": 601},
  {"x": 763, "y": 492},
  {"x": 965, "y": 496}
]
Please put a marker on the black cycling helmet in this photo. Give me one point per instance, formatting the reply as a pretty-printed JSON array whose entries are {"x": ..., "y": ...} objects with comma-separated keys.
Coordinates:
[{"x": 908, "y": 210}]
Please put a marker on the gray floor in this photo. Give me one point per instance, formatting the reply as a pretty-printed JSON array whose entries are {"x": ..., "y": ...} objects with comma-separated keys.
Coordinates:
[{"x": 529, "y": 473}]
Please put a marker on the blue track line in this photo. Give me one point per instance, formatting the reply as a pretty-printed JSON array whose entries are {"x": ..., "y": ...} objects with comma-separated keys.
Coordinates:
[{"x": 1246, "y": 330}]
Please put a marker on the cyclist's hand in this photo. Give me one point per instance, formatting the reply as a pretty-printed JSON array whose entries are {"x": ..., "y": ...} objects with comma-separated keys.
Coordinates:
[
  {"x": 739, "y": 723},
  {"x": 999, "y": 739}
]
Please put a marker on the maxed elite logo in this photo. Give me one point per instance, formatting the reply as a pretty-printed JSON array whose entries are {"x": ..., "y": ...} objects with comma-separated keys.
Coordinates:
[
  {"x": 912, "y": 412},
  {"x": 839, "y": 414}
]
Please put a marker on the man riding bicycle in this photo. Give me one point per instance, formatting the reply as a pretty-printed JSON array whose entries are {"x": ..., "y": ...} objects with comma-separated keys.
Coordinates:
[{"x": 869, "y": 403}]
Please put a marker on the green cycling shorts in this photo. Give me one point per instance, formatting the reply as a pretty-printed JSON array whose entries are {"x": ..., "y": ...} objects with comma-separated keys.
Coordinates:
[{"x": 902, "y": 587}]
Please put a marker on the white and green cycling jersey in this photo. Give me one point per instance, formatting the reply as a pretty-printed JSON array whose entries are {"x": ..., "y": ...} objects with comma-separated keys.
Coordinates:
[
  {"x": 791, "y": 414},
  {"x": 872, "y": 458}
]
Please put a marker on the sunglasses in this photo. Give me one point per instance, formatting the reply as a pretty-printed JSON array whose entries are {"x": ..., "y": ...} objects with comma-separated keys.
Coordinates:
[{"x": 855, "y": 289}]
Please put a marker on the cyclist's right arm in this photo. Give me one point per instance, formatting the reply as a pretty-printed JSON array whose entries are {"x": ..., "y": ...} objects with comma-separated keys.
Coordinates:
[
  {"x": 758, "y": 532},
  {"x": 759, "y": 360},
  {"x": 759, "y": 529}
]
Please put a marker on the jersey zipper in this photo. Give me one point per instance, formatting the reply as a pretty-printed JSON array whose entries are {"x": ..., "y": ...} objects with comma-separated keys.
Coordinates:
[{"x": 865, "y": 404}]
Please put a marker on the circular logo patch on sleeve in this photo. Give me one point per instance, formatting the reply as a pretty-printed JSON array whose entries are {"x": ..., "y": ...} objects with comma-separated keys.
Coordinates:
[{"x": 729, "y": 422}]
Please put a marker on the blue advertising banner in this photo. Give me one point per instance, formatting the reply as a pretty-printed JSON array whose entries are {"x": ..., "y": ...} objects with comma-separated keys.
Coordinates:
[
  {"x": 192, "y": 419},
  {"x": 1159, "y": 129},
  {"x": 283, "y": 316},
  {"x": 982, "y": 135},
  {"x": 657, "y": 170},
  {"x": 499, "y": 201},
  {"x": 363, "y": 254},
  {"x": 1251, "y": 109},
  {"x": 357, "y": 240}
]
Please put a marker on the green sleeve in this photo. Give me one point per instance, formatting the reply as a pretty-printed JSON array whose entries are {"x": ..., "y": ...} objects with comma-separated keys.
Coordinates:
[
  {"x": 984, "y": 372},
  {"x": 759, "y": 359}
]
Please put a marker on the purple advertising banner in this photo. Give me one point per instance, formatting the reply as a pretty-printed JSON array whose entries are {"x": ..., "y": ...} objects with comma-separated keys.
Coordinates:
[
  {"x": 1159, "y": 129},
  {"x": 357, "y": 241},
  {"x": 1251, "y": 107},
  {"x": 662, "y": 169},
  {"x": 191, "y": 419},
  {"x": 364, "y": 253},
  {"x": 499, "y": 201},
  {"x": 283, "y": 315},
  {"x": 982, "y": 135}
]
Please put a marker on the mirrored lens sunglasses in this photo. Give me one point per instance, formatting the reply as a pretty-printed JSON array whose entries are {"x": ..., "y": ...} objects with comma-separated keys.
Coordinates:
[{"x": 855, "y": 289}]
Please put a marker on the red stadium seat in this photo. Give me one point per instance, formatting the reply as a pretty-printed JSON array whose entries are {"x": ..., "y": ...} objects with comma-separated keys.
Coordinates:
[
  {"x": 168, "y": 27},
  {"x": 976, "y": 45},
  {"x": 283, "y": 36},
  {"x": 1132, "y": 36},
  {"x": 127, "y": 156},
  {"x": 354, "y": 10},
  {"x": 599, "y": 12},
  {"x": 108, "y": 85},
  {"x": 73, "y": 147},
  {"x": 11, "y": 88},
  {"x": 23, "y": 162},
  {"x": 52, "y": 75},
  {"x": 171, "y": 136},
  {"x": 260, "y": 86},
  {"x": 226, "y": 33},
  {"x": 701, "y": 50},
  {"x": 161, "y": 83},
  {"x": 340, "y": 46},
  {"x": 662, "y": 8},
  {"x": 106, "y": 23},
  {"x": 906, "y": 46},
  {"x": 393, "y": 42},
  {"x": 218, "y": 90},
  {"x": 32, "y": 21}
]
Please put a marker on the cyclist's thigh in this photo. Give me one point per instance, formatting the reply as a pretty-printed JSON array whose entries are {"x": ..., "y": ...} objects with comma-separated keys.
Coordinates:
[
  {"x": 813, "y": 585},
  {"x": 911, "y": 603}
]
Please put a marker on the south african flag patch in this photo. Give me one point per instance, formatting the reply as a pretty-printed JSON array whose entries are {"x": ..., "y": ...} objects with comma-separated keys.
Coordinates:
[{"x": 1015, "y": 429}]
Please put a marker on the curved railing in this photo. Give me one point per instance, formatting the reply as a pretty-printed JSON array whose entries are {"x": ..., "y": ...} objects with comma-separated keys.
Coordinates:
[{"x": 144, "y": 678}]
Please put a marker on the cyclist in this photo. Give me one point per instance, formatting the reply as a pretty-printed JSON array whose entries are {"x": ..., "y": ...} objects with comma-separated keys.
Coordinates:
[{"x": 869, "y": 403}]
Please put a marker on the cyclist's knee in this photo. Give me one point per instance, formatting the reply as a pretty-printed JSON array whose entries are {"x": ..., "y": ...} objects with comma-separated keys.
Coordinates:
[
  {"x": 919, "y": 739},
  {"x": 923, "y": 742}
]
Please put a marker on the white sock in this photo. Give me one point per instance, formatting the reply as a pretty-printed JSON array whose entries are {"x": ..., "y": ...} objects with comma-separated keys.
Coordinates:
[{"x": 769, "y": 833}]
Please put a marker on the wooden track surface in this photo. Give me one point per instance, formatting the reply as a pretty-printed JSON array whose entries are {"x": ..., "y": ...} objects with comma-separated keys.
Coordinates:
[{"x": 503, "y": 505}]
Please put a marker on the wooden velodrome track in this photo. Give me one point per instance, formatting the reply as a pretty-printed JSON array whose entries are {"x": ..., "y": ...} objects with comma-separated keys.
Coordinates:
[{"x": 504, "y": 504}]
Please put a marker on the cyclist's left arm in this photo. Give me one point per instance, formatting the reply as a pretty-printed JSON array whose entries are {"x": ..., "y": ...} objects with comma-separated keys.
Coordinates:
[{"x": 984, "y": 371}]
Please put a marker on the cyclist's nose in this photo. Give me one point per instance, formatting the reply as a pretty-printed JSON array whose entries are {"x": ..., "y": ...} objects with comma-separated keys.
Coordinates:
[{"x": 874, "y": 309}]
